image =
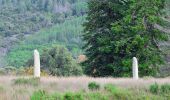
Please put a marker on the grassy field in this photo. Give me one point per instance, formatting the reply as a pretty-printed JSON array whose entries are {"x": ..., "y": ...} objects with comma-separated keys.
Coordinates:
[{"x": 23, "y": 88}]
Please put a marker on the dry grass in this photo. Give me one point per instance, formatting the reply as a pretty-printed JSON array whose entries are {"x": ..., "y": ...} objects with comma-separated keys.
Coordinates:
[{"x": 11, "y": 91}]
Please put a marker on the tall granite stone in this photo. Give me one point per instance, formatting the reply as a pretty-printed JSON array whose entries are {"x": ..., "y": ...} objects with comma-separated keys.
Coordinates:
[
  {"x": 135, "y": 68},
  {"x": 36, "y": 64}
]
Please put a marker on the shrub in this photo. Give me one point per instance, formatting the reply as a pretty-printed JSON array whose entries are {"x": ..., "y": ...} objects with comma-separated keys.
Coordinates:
[
  {"x": 165, "y": 88},
  {"x": 59, "y": 62},
  {"x": 29, "y": 81},
  {"x": 73, "y": 96},
  {"x": 154, "y": 88},
  {"x": 93, "y": 86}
]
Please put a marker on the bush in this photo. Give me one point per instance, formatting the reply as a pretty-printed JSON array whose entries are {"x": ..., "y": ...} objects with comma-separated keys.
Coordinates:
[
  {"x": 165, "y": 88},
  {"x": 73, "y": 96},
  {"x": 93, "y": 86},
  {"x": 59, "y": 61},
  {"x": 154, "y": 88},
  {"x": 29, "y": 81}
]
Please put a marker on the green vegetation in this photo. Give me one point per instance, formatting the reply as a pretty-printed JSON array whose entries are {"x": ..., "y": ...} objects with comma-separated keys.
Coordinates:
[
  {"x": 29, "y": 16},
  {"x": 165, "y": 88},
  {"x": 25, "y": 81},
  {"x": 162, "y": 90},
  {"x": 29, "y": 24},
  {"x": 93, "y": 86},
  {"x": 67, "y": 34},
  {"x": 38, "y": 95},
  {"x": 109, "y": 93},
  {"x": 114, "y": 32},
  {"x": 58, "y": 61},
  {"x": 154, "y": 88},
  {"x": 114, "y": 36}
]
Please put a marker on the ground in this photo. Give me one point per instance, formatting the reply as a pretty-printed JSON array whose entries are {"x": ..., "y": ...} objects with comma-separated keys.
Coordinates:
[{"x": 9, "y": 90}]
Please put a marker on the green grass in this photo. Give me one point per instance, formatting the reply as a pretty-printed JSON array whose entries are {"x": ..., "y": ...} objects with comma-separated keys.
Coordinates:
[
  {"x": 110, "y": 92},
  {"x": 162, "y": 90}
]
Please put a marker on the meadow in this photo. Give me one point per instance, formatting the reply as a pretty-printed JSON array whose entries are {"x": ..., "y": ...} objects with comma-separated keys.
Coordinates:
[{"x": 79, "y": 88}]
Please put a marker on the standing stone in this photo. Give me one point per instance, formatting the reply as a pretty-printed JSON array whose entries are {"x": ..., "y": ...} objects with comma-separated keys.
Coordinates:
[
  {"x": 36, "y": 64},
  {"x": 135, "y": 68}
]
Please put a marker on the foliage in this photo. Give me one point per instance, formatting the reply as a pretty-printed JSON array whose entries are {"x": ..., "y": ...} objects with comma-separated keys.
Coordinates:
[
  {"x": 93, "y": 86},
  {"x": 38, "y": 95},
  {"x": 165, "y": 88},
  {"x": 111, "y": 93},
  {"x": 59, "y": 62},
  {"x": 26, "y": 19},
  {"x": 27, "y": 16},
  {"x": 25, "y": 81},
  {"x": 67, "y": 33},
  {"x": 98, "y": 34},
  {"x": 117, "y": 31},
  {"x": 154, "y": 88},
  {"x": 72, "y": 96}
]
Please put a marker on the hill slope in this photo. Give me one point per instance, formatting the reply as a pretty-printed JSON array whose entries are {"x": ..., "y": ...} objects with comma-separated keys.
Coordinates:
[
  {"x": 67, "y": 33},
  {"x": 20, "y": 19}
]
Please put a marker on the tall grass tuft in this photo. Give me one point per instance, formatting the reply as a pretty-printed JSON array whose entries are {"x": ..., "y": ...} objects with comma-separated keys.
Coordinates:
[
  {"x": 154, "y": 88},
  {"x": 165, "y": 88}
]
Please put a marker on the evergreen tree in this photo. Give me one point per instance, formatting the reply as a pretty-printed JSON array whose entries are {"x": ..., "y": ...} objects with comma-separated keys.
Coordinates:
[
  {"x": 98, "y": 35},
  {"x": 133, "y": 33}
]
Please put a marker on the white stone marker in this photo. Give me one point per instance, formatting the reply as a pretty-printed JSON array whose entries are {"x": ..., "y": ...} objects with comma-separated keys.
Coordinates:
[
  {"x": 135, "y": 68},
  {"x": 36, "y": 64}
]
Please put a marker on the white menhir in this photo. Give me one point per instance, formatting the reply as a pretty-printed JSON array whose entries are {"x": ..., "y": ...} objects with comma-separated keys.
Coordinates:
[
  {"x": 135, "y": 68},
  {"x": 36, "y": 64}
]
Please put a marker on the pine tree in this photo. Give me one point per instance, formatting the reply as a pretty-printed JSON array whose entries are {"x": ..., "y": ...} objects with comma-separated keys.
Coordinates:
[
  {"x": 137, "y": 36},
  {"x": 112, "y": 39},
  {"x": 102, "y": 13}
]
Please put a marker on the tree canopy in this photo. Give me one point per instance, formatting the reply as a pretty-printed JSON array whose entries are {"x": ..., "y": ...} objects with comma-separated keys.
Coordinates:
[{"x": 116, "y": 31}]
